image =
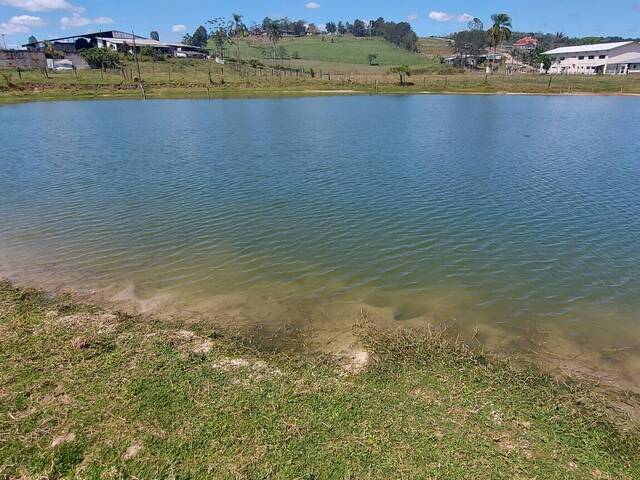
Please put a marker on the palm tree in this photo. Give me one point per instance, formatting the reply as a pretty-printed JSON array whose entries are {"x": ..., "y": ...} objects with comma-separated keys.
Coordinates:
[
  {"x": 500, "y": 30},
  {"x": 239, "y": 30},
  {"x": 559, "y": 39},
  {"x": 274, "y": 33}
]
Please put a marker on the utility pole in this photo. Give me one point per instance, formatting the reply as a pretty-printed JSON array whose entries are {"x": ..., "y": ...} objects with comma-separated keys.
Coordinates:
[{"x": 135, "y": 55}]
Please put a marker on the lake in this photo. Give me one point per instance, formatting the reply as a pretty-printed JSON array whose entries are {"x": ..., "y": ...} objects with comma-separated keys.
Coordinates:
[{"x": 516, "y": 218}]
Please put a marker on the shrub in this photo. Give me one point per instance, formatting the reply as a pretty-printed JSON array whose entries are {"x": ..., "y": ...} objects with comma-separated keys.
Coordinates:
[{"x": 98, "y": 57}]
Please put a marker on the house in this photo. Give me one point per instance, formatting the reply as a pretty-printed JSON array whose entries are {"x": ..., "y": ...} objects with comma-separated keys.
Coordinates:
[
  {"x": 525, "y": 44},
  {"x": 619, "y": 58},
  {"x": 115, "y": 40}
]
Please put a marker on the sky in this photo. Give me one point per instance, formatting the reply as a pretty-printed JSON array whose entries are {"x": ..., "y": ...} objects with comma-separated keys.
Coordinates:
[{"x": 20, "y": 19}]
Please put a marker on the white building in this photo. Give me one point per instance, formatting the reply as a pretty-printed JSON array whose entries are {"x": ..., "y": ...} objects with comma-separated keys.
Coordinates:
[{"x": 619, "y": 58}]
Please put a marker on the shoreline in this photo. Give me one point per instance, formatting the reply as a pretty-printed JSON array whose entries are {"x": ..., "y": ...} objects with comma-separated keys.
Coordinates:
[
  {"x": 192, "y": 94},
  {"x": 328, "y": 329},
  {"x": 89, "y": 390}
]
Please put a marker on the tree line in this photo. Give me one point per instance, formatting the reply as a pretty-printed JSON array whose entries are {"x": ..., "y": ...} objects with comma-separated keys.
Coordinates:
[{"x": 400, "y": 34}]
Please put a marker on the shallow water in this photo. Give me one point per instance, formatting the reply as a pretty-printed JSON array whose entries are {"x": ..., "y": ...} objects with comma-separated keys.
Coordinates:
[{"x": 517, "y": 214}]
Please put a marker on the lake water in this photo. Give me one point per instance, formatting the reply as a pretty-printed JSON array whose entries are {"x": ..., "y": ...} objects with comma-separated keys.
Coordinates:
[{"x": 518, "y": 216}]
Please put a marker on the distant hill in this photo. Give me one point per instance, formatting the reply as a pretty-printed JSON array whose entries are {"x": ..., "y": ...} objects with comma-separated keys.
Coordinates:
[
  {"x": 334, "y": 49},
  {"x": 435, "y": 46}
]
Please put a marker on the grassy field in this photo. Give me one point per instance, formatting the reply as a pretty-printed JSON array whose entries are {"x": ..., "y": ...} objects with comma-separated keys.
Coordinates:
[
  {"x": 435, "y": 47},
  {"x": 327, "y": 49},
  {"x": 87, "y": 393},
  {"x": 181, "y": 78}
]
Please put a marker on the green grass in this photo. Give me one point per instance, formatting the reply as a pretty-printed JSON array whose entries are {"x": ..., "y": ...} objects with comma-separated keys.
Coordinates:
[
  {"x": 340, "y": 50},
  {"x": 93, "y": 395},
  {"x": 182, "y": 78}
]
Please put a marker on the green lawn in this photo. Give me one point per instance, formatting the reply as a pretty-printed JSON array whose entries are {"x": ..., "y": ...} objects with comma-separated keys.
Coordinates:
[
  {"x": 336, "y": 49},
  {"x": 91, "y": 394}
]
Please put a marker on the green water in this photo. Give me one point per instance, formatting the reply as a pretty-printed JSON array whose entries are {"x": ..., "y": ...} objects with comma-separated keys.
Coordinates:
[{"x": 520, "y": 215}]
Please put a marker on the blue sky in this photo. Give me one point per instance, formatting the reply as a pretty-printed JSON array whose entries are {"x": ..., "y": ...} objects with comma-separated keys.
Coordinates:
[{"x": 46, "y": 18}]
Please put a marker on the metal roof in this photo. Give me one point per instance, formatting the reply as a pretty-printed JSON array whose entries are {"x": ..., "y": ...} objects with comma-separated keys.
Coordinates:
[
  {"x": 129, "y": 41},
  {"x": 631, "y": 57},
  {"x": 89, "y": 35},
  {"x": 142, "y": 42},
  {"x": 598, "y": 47}
]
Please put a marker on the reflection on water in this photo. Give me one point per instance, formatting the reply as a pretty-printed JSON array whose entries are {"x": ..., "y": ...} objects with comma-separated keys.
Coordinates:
[{"x": 519, "y": 215}]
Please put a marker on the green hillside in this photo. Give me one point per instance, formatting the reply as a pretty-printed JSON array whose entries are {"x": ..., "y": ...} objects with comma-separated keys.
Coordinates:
[
  {"x": 433, "y": 46},
  {"x": 347, "y": 49}
]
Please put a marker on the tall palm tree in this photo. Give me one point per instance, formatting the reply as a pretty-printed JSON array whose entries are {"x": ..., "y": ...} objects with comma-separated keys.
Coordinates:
[
  {"x": 239, "y": 30},
  {"x": 500, "y": 30},
  {"x": 559, "y": 39}
]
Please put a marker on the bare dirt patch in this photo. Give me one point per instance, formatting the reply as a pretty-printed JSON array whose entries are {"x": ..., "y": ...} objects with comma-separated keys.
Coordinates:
[{"x": 62, "y": 439}]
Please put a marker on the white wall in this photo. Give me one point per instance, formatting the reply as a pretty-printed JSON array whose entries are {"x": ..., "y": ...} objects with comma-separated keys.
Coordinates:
[{"x": 571, "y": 63}]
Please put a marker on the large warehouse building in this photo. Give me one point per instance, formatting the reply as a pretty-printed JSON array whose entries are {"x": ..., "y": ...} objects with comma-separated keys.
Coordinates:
[
  {"x": 620, "y": 58},
  {"x": 116, "y": 40}
]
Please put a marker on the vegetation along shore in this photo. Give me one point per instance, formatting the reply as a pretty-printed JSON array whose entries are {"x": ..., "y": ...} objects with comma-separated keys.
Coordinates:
[
  {"x": 92, "y": 393},
  {"x": 244, "y": 64},
  {"x": 193, "y": 78}
]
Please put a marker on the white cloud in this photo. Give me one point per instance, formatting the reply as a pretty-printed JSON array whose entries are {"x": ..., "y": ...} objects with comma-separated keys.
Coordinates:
[
  {"x": 76, "y": 20},
  {"x": 448, "y": 17},
  {"x": 103, "y": 20},
  {"x": 21, "y": 24},
  {"x": 178, "y": 28},
  {"x": 42, "y": 5},
  {"x": 412, "y": 17},
  {"x": 464, "y": 17},
  {"x": 439, "y": 16},
  {"x": 312, "y": 5}
]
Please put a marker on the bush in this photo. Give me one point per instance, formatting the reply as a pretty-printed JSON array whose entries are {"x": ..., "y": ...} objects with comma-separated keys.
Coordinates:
[
  {"x": 151, "y": 52},
  {"x": 99, "y": 57}
]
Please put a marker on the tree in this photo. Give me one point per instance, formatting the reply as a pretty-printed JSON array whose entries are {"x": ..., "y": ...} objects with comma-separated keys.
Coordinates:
[
  {"x": 372, "y": 58},
  {"x": 32, "y": 39},
  {"x": 200, "y": 37},
  {"x": 470, "y": 42},
  {"x": 500, "y": 30},
  {"x": 331, "y": 27},
  {"x": 266, "y": 23},
  {"x": 153, "y": 53},
  {"x": 51, "y": 52},
  {"x": 312, "y": 29},
  {"x": 239, "y": 31},
  {"x": 402, "y": 71},
  {"x": 359, "y": 28},
  {"x": 299, "y": 29},
  {"x": 475, "y": 24},
  {"x": 400, "y": 34},
  {"x": 154, "y": 36},
  {"x": 341, "y": 28},
  {"x": 100, "y": 57},
  {"x": 539, "y": 59},
  {"x": 221, "y": 35},
  {"x": 377, "y": 26},
  {"x": 239, "y": 28},
  {"x": 274, "y": 33}
]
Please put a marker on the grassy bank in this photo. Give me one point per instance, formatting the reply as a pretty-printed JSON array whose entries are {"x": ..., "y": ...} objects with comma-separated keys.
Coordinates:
[
  {"x": 182, "y": 78},
  {"x": 338, "y": 49},
  {"x": 93, "y": 394}
]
